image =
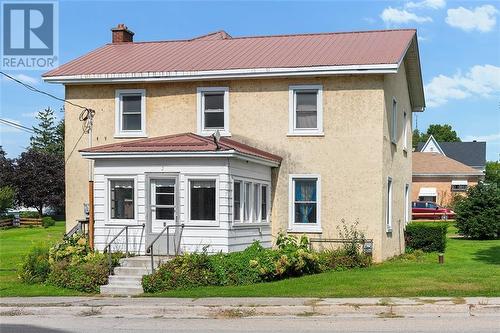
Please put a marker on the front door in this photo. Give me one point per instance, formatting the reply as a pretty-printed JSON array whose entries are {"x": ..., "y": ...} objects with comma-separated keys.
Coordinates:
[{"x": 162, "y": 212}]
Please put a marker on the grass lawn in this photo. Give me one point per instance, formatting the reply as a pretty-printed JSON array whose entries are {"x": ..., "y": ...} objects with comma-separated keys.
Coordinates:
[
  {"x": 472, "y": 268},
  {"x": 16, "y": 242}
]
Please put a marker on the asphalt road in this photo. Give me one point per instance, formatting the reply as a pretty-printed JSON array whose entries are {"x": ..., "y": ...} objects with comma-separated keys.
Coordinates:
[{"x": 43, "y": 324}]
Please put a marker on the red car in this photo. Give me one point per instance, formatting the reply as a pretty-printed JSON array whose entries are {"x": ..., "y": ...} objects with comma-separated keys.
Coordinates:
[{"x": 429, "y": 210}]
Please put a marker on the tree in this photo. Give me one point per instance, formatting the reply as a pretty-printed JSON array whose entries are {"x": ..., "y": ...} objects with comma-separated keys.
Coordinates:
[
  {"x": 478, "y": 215},
  {"x": 442, "y": 133},
  {"x": 6, "y": 169},
  {"x": 6, "y": 198},
  {"x": 492, "y": 173},
  {"x": 415, "y": 138},
  {"x": 46, "y": 135},
  {"x": 59, "y": 138},
  {"x": 39, "y": 180}
]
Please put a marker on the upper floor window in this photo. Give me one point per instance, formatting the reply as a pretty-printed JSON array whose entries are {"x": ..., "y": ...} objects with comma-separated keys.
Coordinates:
[
  {"x": 394, "y": 121},
  {"x": 130, "y": 113},
  {"x": 213, "y": 110},
  {"x": 306, "y": 110}
]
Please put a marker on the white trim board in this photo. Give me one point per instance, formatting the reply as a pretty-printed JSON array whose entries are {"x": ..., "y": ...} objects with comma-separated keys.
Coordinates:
[{"x": 224, "y": 74}]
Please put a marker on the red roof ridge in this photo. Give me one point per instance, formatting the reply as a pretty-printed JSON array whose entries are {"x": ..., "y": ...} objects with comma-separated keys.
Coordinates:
[
  {"x": 223, "y": 35},
  {"x": 195, "y": 39}
]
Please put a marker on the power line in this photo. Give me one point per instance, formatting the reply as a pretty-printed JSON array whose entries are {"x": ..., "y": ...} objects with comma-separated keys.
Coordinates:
[
  {"x": 30, "y": 87},
  {"x": 16, "y": 125}
]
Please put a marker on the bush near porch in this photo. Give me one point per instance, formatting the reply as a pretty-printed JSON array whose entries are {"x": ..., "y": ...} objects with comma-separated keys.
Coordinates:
[{"x": 291, "y": 258}]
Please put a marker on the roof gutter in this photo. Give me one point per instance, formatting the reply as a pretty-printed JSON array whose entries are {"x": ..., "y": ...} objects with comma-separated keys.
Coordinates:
[
  {"x": 226, "y": 153},
  {"x": 223, "y": 74}
]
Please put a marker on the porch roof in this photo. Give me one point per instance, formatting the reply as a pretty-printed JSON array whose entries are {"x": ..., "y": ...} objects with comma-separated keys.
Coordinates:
[{"x": 184, "y": 143}]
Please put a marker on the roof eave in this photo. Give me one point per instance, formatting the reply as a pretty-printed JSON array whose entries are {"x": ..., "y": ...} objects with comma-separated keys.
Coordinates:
[
  {"x": 448, "y": 174},
  {"x": 211, "y": 154},
  {"x": 223, "y": 74}
]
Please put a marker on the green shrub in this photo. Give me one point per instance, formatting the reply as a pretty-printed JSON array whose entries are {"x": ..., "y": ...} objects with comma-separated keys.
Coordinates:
[
  {"x": 6, "y": 198},
  {"x": 29, "y": 214},
  {"x": 35, "y": 267},
  {"x": 478, "y": 215},
  {"x": 48, "y": 221},
  {"x": 340, "y": 259},
  {"x": 426, "y": 236},
  {"x": 85, "y": 276},
  {"x": 74, "y": 249}
]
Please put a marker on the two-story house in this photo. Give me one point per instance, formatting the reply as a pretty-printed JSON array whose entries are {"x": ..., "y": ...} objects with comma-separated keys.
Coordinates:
[{"x": 314, "y": 129}]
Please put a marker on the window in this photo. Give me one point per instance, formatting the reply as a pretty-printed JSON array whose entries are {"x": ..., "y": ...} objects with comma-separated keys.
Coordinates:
[
  {"x": 256, "y": 203},
  {"x": 306, "y": 110},
  {"x": 405, "y": 130},
  {"x": 237, "y": 201},
  {"x": 246, "y": 203},
  {"x": 388, "y": 217},
  {"x": 459, "y": 185},
  {"x": 304, "y": 203},
  {"x": 203, "y": 200},
  {"x": 407, "y": 203},
  {"x": 122, "y": 199},
  {"x": 130, "y": 113},
  {"x": 394, "y": 121},
  {"x": 263, "y": 208},
  {"x": 164, "y": 199},
  {"x": 213, "y": 110}
]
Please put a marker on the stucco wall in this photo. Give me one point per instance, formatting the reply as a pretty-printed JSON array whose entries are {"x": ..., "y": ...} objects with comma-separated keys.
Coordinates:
[
  {"x": 348, "y": 157},
  {"x": 442, "y": 185},
  {"x": 396, "y": 162}
]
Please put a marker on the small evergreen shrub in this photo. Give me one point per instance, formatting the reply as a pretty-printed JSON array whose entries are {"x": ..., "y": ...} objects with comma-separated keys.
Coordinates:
[
  {"x": 426, "y": 236},
  {"x": 35, "y": 267},
  {"x": 48, "y": 221},
  {"x": 478, "y": 215},
  {"x": 29, "y": 214}
]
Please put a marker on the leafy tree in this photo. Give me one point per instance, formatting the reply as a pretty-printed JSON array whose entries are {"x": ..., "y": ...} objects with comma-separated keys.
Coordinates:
[
  {"x": 59, "y": 138},
  {"x": 478, "y": 215},
  {"x": 492, "y": 175},
  {"x": 39, "y": 180},
  {"x": 6, "y": 198},
  {"x": 6, "y": 169},
  {"x": 439, "y": 132},
  {"x": 46, "y": 135},
  {"x": 415, "y": 138}
]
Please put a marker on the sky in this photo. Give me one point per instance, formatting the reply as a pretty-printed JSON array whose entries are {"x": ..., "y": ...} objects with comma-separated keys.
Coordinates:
[{"x": 459, "y": 44}]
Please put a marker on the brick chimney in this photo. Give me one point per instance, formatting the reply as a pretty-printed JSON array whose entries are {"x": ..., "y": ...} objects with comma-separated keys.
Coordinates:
[{"x": 121, "y": 34}]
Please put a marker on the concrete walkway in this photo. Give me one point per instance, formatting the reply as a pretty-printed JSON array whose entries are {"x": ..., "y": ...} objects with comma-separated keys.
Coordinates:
[{"x": 237, "y": 308}]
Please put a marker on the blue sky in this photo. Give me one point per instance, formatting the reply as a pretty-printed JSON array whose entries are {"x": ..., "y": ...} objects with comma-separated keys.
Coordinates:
[{"x": 459, "y": 45}]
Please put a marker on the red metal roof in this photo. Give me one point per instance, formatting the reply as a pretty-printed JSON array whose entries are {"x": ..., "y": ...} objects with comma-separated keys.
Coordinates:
[
  {"x": 185, "y": 142},
  {"x": 220, "y": 51}
]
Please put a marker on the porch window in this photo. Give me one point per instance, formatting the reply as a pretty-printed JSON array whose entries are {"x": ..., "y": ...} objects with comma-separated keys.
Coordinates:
[
  {"x": 256, "y": 206},
  {"x": 237, "y": 201},
  {"x": 130, "y": 113},
  {"x": 122, "y": 199},
  {"x": 263, "y": 198},
  {"x": 306, "y": 110},
  {"x": 213, "y": 110},
  {"x": 203, "y": 200},
  {"x": 305, "y": 203},
  {"x": 246, "y": 203}
]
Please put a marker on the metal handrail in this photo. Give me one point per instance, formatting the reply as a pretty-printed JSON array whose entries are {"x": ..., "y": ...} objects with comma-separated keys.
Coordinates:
[
  {"x": 149, "y": 248},
  {"x": 107, "y": 248}
]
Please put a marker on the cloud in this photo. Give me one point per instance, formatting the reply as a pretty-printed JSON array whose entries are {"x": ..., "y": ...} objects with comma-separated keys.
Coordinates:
[
  {"x": 482, "y": 18},
  {"x": 480, "y": 80},
  {"x": 432, "y": 4},
  {"x": 397, "y": 16},
  {"x": 22, "y": 77}
]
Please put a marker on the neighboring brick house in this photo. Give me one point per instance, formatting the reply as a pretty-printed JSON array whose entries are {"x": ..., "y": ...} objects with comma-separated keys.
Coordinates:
[
  {"x": 315, "y": 128},
  {"x": 438, "y": 178}
]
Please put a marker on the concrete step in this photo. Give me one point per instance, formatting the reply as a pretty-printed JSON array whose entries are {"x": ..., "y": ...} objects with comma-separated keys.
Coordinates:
[
  {"x": 141, "y": 261},
  {"x": 112, "y": 290},
  {"x": 132, "y": 271},
  {"x": 125, "y": 279}
]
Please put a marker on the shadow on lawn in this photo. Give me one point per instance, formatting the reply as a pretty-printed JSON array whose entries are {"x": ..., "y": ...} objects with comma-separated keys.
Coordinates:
[{"x": 489, "y": 256}]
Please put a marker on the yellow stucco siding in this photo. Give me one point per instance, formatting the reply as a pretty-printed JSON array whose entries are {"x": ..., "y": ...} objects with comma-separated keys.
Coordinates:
[
  {"x": 348, "y": 157},
  {"x": 396, "y": 161}
]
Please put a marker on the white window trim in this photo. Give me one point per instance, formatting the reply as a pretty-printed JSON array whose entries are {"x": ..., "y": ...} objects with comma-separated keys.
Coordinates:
[
  {"x": 207, "y": 223},
  {"x": 405, "y": 130},
  {"x": 199, "y": 112},
  {"x": 300, "y": 227},
  {"x": 119, "y": 133},
  {"x": 292, "y": 130},
  {"x": 251, "y": 221},
  {"x": 407, "y": 203},
  {"x": 394, "y": 121},
  {"x": 108, "y": 180},
  {"x": 388, "y": 216}
]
